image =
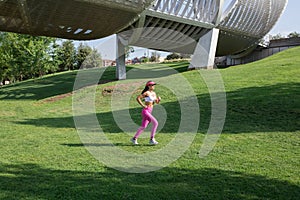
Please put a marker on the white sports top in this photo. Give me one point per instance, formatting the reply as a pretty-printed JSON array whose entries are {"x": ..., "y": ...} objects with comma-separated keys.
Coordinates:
[{"x": 150, "y": 99}]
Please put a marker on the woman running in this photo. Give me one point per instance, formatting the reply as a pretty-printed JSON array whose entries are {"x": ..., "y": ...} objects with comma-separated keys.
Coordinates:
[{"x": 150, "y": 98}]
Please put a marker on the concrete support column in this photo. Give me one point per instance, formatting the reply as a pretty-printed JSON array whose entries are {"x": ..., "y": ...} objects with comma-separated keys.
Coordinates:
[
  {"x": 120, "y": 59},
  {"x": 205, "y": 51}
]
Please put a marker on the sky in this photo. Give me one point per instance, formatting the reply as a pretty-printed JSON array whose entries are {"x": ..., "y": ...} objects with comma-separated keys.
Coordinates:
[{"x": 287, "y": 23}]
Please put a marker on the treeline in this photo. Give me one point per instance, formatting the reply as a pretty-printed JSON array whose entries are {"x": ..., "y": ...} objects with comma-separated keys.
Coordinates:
[
  {"x": 24, "y": 57},
  {"x": 266, "y": 40},
  {"x": 279, "y": 36}
]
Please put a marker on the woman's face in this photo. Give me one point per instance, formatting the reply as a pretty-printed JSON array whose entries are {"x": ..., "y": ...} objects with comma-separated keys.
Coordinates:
[{"x": 151, "y": 87}]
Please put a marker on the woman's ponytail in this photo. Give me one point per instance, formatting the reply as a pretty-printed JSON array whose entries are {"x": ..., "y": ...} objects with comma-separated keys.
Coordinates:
[{"x": 145, "y": 89}]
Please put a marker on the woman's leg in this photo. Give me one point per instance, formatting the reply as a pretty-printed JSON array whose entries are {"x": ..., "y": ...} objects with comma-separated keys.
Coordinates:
[
  {"x": 154, "y": 122},
  {"x": 144, "y": 125},
  {"x": 147, "y": 118}
]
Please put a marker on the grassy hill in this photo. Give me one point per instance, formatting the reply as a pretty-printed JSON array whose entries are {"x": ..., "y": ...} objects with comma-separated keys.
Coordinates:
[{"x": 256, "y": 157}]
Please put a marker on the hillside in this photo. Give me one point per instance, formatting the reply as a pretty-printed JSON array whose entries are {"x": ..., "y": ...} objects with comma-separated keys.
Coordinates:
[{"x": 256, "y": 156}]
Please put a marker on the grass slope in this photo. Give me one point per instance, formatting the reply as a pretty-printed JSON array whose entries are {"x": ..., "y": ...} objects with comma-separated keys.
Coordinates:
[{"x": 256, "y": 157}]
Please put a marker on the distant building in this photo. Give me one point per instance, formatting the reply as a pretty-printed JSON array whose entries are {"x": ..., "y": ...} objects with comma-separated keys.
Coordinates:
[
  {"x": 259, "y": 52},
  {"x": 128, "y": 62},
  {"x": 285, "y": 42},
  {"x": 161, "y": 59},
  {"x": 107, "y": 63}
]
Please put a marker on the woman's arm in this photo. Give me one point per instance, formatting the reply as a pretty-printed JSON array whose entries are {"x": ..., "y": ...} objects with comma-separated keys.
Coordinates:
[
  {"x": 157, "y": 99},
  {"x": 139, "y": 99}
]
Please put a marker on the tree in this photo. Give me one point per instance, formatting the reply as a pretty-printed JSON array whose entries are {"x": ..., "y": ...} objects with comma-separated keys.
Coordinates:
[
  {"x": 93, "y": 60},
  {"x": 154, "y": 57},
  {"x": 3, "y": 59},
  {"x": 185, "y": 56},
  {"x": 54, "y": 56},
  {"x": 83, "y": 51},
  {"x": 293, "y": 35},
  {"x": 24, "y": 56},
  {"x": 128, "y": 51},
  {"x": 144, "y": 59},
  {"x": 67, "y": 56},
  {"x": 41, "y": 59},
  {"x": 276, "y": 37},
  {"x": 173, "y": 56}
]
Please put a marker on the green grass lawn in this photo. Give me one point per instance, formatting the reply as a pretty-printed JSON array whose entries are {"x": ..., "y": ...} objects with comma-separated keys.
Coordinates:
[{"x": 256, "y": 157}]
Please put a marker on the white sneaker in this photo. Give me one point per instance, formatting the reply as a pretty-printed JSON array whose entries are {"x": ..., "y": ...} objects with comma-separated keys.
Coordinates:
[
  {"x": 153, "y": 141},
  {"x": 134, "y": 141}
]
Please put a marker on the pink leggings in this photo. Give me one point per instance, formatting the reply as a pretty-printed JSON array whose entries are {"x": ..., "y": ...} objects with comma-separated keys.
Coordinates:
[{"x": 147, "y": 118}]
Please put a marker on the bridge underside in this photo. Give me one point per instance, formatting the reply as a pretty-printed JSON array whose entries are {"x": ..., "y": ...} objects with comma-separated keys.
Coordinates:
[
  {"x": 165, "y": 26},
  {"x": 172, "y": 36},
  {"x": 70, "y": 19},
  {"x": 164, "y": 35}
]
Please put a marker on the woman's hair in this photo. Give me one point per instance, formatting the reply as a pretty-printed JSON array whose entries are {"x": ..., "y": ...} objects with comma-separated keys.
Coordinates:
[
  {"x": 147, "y": 86},
  {"x": 145, "y": 89}
]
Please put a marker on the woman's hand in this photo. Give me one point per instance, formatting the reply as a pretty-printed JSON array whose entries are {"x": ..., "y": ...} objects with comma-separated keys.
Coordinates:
[{"x": 157, "y": 100}]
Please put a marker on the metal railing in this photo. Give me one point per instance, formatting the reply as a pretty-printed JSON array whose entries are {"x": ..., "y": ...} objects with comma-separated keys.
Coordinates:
[{"x": 197, "y": 10}]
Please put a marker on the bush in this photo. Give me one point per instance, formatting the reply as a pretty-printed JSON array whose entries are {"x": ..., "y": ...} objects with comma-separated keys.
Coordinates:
[{"x": 173, "y": 56}]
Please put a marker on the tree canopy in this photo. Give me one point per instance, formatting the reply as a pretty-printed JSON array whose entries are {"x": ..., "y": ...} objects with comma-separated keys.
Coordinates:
[{"x": 23, "y": 56}]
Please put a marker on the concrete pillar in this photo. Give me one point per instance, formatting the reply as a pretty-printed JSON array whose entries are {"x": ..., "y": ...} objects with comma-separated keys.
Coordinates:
[
  {"x": 205, "y": 51},
  {"x": 120, "y": 59}
]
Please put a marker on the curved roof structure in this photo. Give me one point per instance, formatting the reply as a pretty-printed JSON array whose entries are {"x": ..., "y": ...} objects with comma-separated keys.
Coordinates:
[
  {"x": 146, "y": 23},
  {"x": 70, "y": 19},
  {"x": 247, "y": 21}
]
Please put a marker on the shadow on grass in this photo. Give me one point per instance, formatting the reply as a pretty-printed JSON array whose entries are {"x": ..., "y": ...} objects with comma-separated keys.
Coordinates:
[
  {"x": 30, "y": 181},
  {"x": 63, "y": 83},
  {"x": 273, "y": 108},
  {"x": 264, "y": 109},
  {"x": 51, "y": 85},
  {"x": 101, "y": 145}
]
